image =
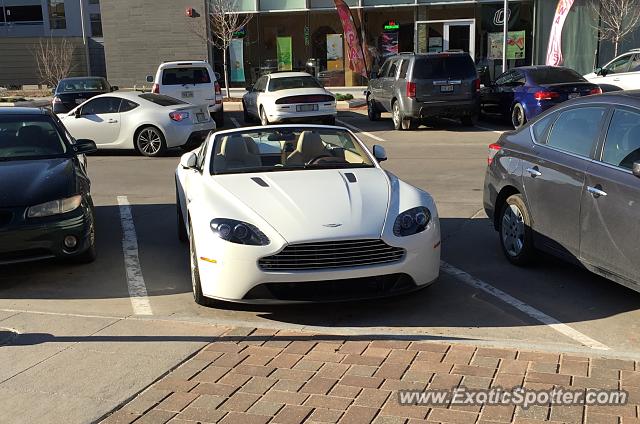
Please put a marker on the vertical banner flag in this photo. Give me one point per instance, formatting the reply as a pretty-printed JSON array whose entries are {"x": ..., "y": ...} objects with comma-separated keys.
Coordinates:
[
  {"x": 285, "y": 54},
  {"x": 236, "y": 57},
  {"x": 355, "y": 54},
  {"x": 554, "y": 51}
]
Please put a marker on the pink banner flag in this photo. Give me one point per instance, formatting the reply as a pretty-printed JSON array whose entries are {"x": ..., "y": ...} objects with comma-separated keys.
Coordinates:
[
  {"x": 554, "y": 51},
  {"x": 356, "y": 57}
]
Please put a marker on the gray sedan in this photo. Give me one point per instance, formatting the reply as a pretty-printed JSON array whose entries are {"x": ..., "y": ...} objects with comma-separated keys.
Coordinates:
[{"x": 568, "y": 183}]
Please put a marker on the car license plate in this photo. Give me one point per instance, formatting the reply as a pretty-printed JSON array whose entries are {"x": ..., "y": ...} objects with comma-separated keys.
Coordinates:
[
  {"x": 446, "y": 88},
  {"x": 187, "y": 94},
  {"x": 574, "y": 95},
  {"x": 306, "y": 108},
  {"x": 79, "y": 101},
  {"x": 201, "y": 117}
]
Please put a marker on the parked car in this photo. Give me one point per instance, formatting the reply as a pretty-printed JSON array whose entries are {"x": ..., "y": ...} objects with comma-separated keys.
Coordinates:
[
  {"x": 569, "y": 184},
  {"x": 193, "y": 82},
  {"x": 149, "y": 123},
  {"x": 523, "y": 93},
  {"x": 323, "y": 222},
  {"x": 46, "y": 209},
  {"x": 287, "y": 97},
  {"x": 70, "y": 92},
  {"x": 622, "y": 73},
  {"x": 416, "y": 87}
]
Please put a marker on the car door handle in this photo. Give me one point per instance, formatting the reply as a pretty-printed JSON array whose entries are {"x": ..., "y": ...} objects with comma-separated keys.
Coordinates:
[
  {"x": 112, "y": 121},
  {"x": 534, "y": 172},
  {"x": 597, "y": 191}
]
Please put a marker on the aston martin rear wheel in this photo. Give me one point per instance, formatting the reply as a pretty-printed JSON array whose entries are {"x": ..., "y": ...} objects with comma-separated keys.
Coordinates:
[{"x": 196, "y": 285}]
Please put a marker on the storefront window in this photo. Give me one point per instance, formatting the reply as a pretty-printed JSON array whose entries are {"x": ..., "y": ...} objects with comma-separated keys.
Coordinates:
[
  {"x": 282, "y": 4},
  {"x": 389, "y": 31},
  {"x": 327, "y": 61}
]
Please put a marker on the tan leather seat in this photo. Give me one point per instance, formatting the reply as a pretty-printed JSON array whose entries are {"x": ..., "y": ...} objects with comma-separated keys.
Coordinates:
[
  {"x": 310, "y": 146},
  {"x": 234, "y": 154}
]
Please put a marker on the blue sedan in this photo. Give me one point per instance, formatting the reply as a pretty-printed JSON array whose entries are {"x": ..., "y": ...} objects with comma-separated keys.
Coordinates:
[{"x": 521, "y": 94}]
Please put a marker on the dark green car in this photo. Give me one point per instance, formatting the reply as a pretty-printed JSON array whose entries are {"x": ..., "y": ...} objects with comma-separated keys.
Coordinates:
[{"x": 46, "y": 209}]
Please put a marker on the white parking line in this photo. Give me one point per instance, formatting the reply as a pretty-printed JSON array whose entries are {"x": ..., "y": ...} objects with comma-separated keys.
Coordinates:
[
  {"x": 490, "y": 129},
  {"x": 523, "y": 307},
  {"x": 361, "y": 131},
  {"x": 135, "y": 280},
  {"x": 235, "y": 122}
]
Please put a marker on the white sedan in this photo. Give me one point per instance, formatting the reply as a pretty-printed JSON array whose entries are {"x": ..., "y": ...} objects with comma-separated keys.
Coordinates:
[
  {"x": 289, "y": 97},
  {"x": 150, "y": 123},
  {"x": 301, "y": 213}
]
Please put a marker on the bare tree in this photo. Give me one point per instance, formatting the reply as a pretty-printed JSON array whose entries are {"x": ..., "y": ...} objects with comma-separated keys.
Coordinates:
[
  {"x": 55, "y": 59},
  {"x": 618, "y": 18},
  {"x": 220, "y": 27}
]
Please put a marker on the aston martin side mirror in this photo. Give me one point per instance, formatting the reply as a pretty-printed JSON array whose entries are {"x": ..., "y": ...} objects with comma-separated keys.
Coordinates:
[
  {"x": 379, "y": 153},
  {"x": 188, "y": 160}
]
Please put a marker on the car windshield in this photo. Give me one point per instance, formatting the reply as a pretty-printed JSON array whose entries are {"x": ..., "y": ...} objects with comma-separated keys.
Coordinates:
[
  {"x": 87, "y": 84},
  {"x": 287, "y": 149},
  {"x": 288, "y": 83},
  {"x": 444, "y": 67},
  {"x": 181, "y": 76},
  {"x": 161, "y": 100},
  {"x": 555, "y": 76},
  {"x": 29, "y": 137}
]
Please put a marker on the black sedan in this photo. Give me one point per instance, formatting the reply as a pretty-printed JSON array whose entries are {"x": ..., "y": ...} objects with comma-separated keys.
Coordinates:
[
  {"x": 568, "y": 183},
  {"x": 71, "y": 92},
  {"x": 46, "y": 209}
]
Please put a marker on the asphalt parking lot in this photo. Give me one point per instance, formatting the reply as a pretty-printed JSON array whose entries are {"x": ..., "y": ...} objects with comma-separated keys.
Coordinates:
[{"x": 480, "y": 298}]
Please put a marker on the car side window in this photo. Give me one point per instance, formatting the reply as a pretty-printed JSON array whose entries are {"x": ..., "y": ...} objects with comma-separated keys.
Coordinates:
[
  {"x": 635, "y": 63},
  {"x": 101, "y": 106},
  {"x": 541, "y": 128},
  {"x": 519, "y": 78},
  {"x": 127, "y": 105},
  {"x": 260, "y": 84},
  {"x": 619, "y": 65},
  {"x": 404, "y": 68},
  {"x": 576, "y": 130},
  {"x": 504, "y": 78},
  {"x": 622, "y": 144},
  {"x": 392, "y": 69},
  {"x": 384, "y": 69}
]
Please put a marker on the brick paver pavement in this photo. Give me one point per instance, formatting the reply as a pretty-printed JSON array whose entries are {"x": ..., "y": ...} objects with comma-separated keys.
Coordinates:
[{"x": 269, "y": 376}]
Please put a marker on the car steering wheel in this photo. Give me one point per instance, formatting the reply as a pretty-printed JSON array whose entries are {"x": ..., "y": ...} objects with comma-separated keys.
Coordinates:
[{"x": 318, "y": 158}]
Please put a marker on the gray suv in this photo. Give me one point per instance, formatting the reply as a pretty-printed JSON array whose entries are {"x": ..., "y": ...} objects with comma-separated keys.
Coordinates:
[{"x": 416, "y": 87}]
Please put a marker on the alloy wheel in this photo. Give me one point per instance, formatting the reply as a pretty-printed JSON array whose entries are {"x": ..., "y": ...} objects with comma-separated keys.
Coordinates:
[
  {"x": 396, "y": 115},
  {"x": 193, "y": 263},
  {"x": 517, "y": 117},
  {"x": 149, "y": 142},
  {"x": 264, "y": 121},
  {"x": 513, "y": 231}
]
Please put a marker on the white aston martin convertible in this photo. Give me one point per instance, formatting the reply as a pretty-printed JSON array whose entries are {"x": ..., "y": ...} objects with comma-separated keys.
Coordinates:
[{"x": 301, "y": 213}]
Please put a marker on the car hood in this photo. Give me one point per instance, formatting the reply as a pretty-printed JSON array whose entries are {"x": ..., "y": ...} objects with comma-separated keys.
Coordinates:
[
  {"x": 315, "y": 205},
  {"x": 31, "y": 182}
]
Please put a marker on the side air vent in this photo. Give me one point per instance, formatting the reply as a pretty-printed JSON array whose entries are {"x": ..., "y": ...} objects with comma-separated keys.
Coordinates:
[
  {"x": 260, "y": 182},
  {"x": 351, "y": 177}
]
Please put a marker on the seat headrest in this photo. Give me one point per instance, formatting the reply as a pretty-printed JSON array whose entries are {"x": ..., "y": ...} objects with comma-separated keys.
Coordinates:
[
  {"x": 30, "y": 132},
  {"x": 310, "y": 144},
  {"x": 234, "y": 148},
  {"x": 252, "y": 146}
]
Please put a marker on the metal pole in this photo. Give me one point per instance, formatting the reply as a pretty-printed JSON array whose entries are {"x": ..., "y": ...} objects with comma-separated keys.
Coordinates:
[
  {"x": 84, "y": 38},
  {"x": 505, "y": 29}
]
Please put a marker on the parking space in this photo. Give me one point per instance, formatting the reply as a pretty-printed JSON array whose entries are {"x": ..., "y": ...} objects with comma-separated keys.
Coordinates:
[{"x": 447, "y": 160}]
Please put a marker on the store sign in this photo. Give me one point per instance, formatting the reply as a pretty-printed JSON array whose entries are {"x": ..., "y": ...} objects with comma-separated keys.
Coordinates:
[
  {"x": 236, "y": 57},
  {"x": 355, "y": 53},
  {"x": 554, "y": 50},
  {"x": 391, "y": 26},
  {"x": 285, "y": 54},
  {"x": 241, "y": 33},
  {"x": 493, "y": 17},
  {"x": 515, "y": 45},
  {"x": 335, "y": 52}
]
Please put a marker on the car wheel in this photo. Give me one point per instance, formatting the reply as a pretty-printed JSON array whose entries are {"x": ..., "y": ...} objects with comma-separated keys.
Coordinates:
[
  {"x": 150, "y": 142},
  {"x": 372, "y": 111},
  {"x": 516, "y": 237},
  {"x": 518, "y": 118},
  {"x": 264, "y": 121},
  {"x": 182, "y": 232},
  {"x": 196, "y": 285},
  {"x": 245, "y": 113},
  {"x": 400, "y": 122}
]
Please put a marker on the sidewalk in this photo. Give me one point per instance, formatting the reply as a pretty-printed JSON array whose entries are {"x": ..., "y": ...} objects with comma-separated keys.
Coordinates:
[{"x": 265, "y": 376}]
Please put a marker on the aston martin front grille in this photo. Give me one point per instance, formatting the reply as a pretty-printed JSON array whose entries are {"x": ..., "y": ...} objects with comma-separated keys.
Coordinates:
[{"x": 332, "y": 254}]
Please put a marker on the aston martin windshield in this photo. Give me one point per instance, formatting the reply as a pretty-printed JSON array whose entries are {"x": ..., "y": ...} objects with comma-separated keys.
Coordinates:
[
  {"x": 287, "y": 149},
  {"x": 29, "y": 137}
]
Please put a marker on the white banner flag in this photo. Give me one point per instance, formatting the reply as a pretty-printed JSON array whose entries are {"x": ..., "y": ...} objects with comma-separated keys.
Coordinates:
[{"x": 554, "y": 51}]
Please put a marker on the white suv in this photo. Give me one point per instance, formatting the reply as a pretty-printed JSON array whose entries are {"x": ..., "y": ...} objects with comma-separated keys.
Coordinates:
[
  {"x": 622, "y": 73},
  {"x": 193, "y": 82}
]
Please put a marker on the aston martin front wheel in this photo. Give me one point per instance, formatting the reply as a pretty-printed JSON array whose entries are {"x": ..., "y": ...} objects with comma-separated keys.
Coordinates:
[{"x": 196, "y": 285}]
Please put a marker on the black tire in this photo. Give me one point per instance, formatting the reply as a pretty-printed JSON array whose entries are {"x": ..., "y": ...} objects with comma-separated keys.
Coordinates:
[
  {"x": 469, "y": 120},
  {"x": 149, "y": 141},
  {"x": 401, "y": 122},
  {"x": 196, "y": 285},
  {"x": 218, "y": 117},
  {"x": 264, "y": 120},
  {"x": 518, "y": 117},
  {"x": 514, "y": 228},
  {"x": 372, "y": 111},
  {"x": 183, "y": 236},
  {"x": 245, "y": 114}
]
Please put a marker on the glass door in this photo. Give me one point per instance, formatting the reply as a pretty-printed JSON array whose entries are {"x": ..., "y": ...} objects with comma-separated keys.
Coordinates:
[{"x": 439, "y": 36}]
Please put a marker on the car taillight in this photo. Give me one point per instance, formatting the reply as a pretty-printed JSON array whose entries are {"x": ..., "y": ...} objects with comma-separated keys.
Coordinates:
[
  {"x": 545, "y": 95},
  {"x": 476, "y": 85},
  {"x": 179, "y": 116},
  {"x": 218, "y": 90},
  {"x": 493, "y": 151},
  {"x": 596, "y": 90},
  {"x": 56, "y": 100},
  {"x": 411, "y": 89},
  {"x": 155, "y": 89}
]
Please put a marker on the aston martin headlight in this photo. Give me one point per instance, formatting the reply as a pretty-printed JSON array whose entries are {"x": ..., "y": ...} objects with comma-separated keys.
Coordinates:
[
  {"x": 411, "y": 222},
  {"x": 238, "y": 232},
  {"x": 56, "y": 207}
]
